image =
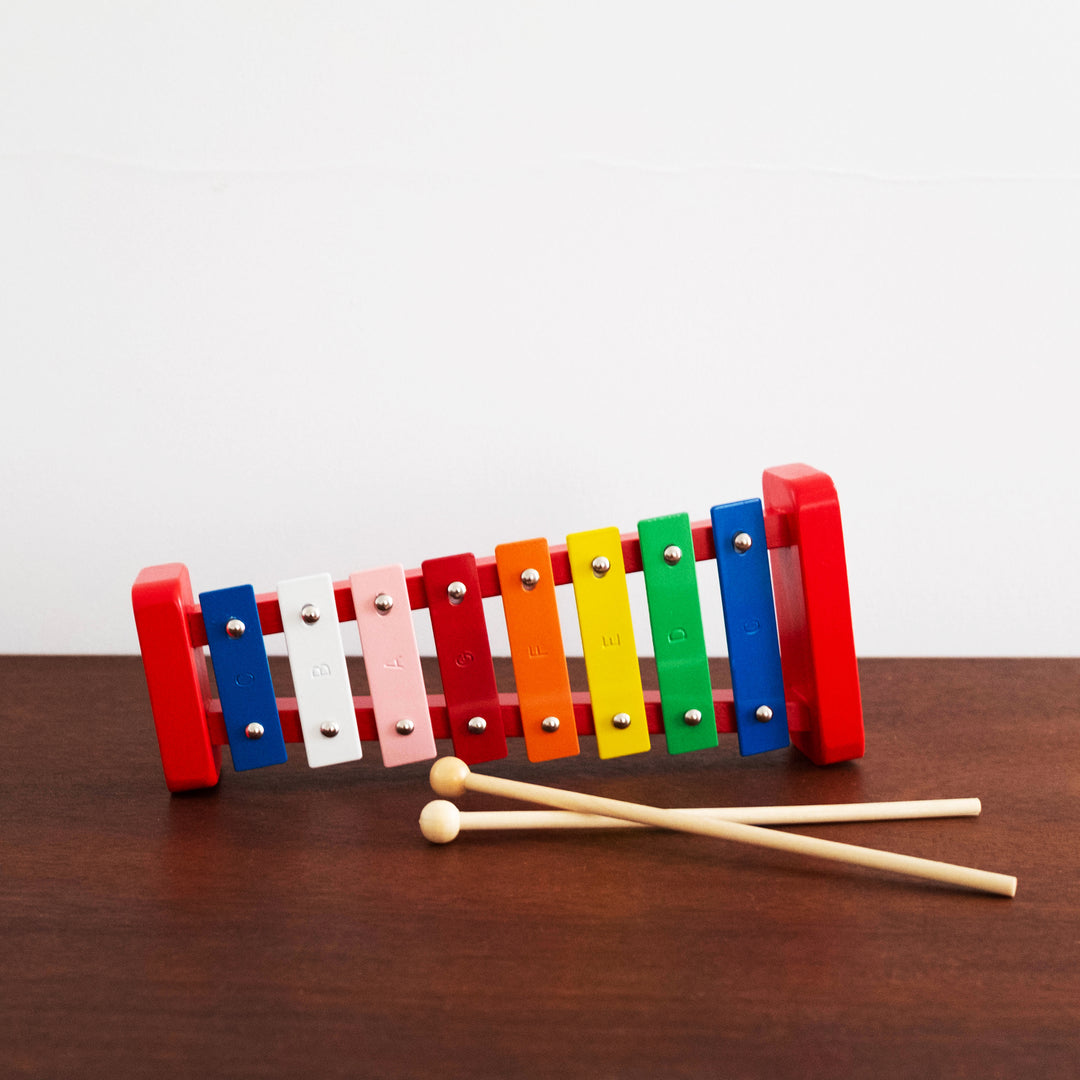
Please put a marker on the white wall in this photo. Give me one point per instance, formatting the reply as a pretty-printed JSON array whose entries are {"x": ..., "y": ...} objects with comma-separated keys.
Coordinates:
[{"x": 296, "y": 287}]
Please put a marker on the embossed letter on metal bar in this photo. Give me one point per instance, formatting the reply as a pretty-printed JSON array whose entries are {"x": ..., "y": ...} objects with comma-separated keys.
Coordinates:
[
  {"x": 527, "y": 585},
  {"x": 757, "y": 679},
  {"x": 682, "y": 665},
  {"x": 607, "y": 639},
  {"x": 238, "y": 652},
  {"x": 320, "y": 677},
  {"x": 461, "y": 641},
  {"x": 392, "y": 662}
]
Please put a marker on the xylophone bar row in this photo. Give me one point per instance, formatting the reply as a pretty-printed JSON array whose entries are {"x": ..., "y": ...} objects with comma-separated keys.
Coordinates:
[{"x": 527, "y": 581}]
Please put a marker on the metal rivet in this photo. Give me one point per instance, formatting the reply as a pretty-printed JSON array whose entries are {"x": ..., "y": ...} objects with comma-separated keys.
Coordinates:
[
  {"x": 621, "y": 720},
  {"x": 310, "y": 614},
  {"x": 383, "y": 603},
  {"x": 550, "y": 723},
  {"x": 601, "y": 565},
  {"x": 672, "y": 554},
  {"x": 404, "y": 727},
  {"x": 235, "y": 628},
  {"x": 477, "y": 725},
  {"x": 456, "y": 591},
  {"x": 254, "y": 731},
  {"x": 530, "y": 578},
  {"x": 692, "y": 717},
  {"x": 329, "y": 729},
  {"x": 764, "y": 714},
  {"x": 742, "y": 542}
]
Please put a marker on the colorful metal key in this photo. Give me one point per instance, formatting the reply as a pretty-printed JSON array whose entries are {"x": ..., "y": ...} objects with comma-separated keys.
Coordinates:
[
  {"x": 607, "y": 639},
  {"x": 461, "y": 642},
  {"x": 527, "y": 584},
  {"x": 320, "y": 677},
  {"x": 392, "y": 662},
  {"x": 238, "y": 652},
  {"x": 757, "y": 680},
  {"x": 682, "y": 663}
]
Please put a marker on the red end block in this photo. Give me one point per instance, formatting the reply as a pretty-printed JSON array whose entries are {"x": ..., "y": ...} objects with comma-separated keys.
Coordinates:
[
  {"x": 813, "y": 613},
  {"x": 176, "y": 676}
]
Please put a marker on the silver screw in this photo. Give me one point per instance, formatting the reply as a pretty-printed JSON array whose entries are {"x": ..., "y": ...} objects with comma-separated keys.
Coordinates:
[
  {"x": 601, "y": 565},
  {"x": 621, "y": 720},
  {"x": 456, "y": 591},
  {"x": 672, "y": 554},
  {"x": 254, "y": 731},
  {"x": 763, "y": 714},
  {"x": 404, "y": 727},
  {"x": 550, "y": 723},
  {"x": 692, "y": 717},
  {"x": 477, "y": 725},
  {"x": 530, "y": 578},
  {"x": 235, "y": 628},
  {"x": 383, "y": 603},
  {"x": 329, "y": 729},
  {"x": 310, "y": 614},
  {"x": 742, "y": 542}
]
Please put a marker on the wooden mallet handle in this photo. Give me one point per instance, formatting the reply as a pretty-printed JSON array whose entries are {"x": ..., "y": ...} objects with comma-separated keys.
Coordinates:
[
  {"x": 441, "y": 821},
  {"x": 451, "y": 777}
]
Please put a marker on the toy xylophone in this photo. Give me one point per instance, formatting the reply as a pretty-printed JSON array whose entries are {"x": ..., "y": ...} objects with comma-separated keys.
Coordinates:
[{"x": 790, "y": 646}]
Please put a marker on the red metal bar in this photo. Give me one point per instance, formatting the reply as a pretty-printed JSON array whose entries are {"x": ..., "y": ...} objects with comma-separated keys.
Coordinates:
[{"x": 464, "y": 653}]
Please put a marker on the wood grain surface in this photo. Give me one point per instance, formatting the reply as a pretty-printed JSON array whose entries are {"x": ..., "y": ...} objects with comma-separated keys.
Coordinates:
[{"x": 292, "y": 922}]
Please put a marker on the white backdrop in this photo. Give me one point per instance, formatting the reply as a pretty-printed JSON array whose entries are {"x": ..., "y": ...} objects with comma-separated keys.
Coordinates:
[{"x": 287, "y": 288}]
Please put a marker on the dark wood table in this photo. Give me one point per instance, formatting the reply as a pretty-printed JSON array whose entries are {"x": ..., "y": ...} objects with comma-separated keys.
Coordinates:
[{"x": 292, "y": 922}]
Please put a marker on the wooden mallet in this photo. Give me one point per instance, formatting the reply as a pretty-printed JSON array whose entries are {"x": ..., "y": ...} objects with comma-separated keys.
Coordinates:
[
  {"x": 451, "y": 778},
  {"x": 442, "y": 821}
]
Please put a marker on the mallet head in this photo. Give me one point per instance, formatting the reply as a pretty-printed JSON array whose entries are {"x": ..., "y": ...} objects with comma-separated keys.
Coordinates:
[
  {"x": 440, "y": 821},
  {"x": 448, "y": 776}
]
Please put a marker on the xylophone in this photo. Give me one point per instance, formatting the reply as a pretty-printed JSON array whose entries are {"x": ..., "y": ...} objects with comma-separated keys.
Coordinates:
[{"x": 790, "y": 645}]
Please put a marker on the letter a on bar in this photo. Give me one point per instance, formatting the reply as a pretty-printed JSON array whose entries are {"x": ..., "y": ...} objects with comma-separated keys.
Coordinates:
[
  {"x": 527, "y": 585},
  {"x": 238, "y": 652},
  {"x": 320, "y": 677},
  {"x": 392, "y": 662},
  {"x": 682, "y": 665},
  {"x": 607, "y": 640},
  {"x": 757, "y": 680}
]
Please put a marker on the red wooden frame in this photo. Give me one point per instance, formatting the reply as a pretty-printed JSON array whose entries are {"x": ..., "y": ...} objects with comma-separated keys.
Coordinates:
[
  {"x": 813, "y": 614},
  {"x": 806, "y": 545},
  {"x": 176, "y": 677}
]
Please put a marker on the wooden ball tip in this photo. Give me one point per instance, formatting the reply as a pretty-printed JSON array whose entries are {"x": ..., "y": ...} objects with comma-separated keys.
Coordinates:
[
  {"x": 440, "y": 821},
  {"x": 448, "y": 776}
]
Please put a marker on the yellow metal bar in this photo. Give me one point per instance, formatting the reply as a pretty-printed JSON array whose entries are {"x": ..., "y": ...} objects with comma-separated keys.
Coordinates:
[{"x": 607, "y": 639}]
